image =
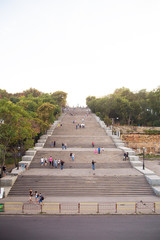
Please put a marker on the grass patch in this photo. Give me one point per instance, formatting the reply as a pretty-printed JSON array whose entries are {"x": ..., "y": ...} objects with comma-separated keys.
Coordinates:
[{"x": 149, "y": 156}]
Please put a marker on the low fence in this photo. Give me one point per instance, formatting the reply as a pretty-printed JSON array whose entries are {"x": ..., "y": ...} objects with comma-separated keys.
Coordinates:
[{"x": 81, "y": 208}]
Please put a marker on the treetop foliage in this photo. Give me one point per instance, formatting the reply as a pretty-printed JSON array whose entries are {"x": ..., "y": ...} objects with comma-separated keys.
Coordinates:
[
  {"x": 126, "y": 107},
  {"x": 24, "y": 116}
]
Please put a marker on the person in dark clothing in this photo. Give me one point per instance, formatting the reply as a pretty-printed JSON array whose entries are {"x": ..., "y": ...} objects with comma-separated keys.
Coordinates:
[
  {"x": 93, "y": 166},
  {"x": 4, "y": 170},
  {"x": 99, "y": 150},
  {"x": 125, "y": 156},
  {"x": 62, "y": 163}
]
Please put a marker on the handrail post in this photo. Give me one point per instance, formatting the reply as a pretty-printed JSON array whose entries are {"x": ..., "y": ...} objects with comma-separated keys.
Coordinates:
[
  {"x": 79, "y": 208},
  {"x": 135, "y": 207},
  {"x": 41, "y": 208},
  {"x": 23, "y": 208},
  {"x": 154, "y": 207},
  {"x": 60, "y": 208},
  {"x": 116, "y": 207},
  {"x": 97, "y": 207}
]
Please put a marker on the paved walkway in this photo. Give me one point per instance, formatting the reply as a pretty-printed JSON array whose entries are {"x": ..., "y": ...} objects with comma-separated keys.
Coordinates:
[
  {"x": 153, "y": 165},
  {"x": 82, "y": 172}
]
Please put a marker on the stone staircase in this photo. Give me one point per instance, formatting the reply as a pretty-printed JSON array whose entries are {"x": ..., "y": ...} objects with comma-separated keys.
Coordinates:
[
  {"x": 86, "y": 165},
  {"x": 80, "y": 141},
  {"x": 107, "y": 159},
  {"x": 69, "y": 186}
]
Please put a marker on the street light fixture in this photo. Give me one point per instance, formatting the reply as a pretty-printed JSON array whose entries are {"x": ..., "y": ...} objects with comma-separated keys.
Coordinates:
[{"x": 19, "y": 154}]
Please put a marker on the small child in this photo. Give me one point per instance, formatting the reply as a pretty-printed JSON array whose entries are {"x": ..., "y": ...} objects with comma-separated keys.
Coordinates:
[
  {"x": 42, "y": 161},
  {"x": 36, "y": 196},
  {"x": 30, "y": 195}
]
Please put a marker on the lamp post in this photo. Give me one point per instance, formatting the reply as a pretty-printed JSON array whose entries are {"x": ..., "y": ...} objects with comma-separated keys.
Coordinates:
[
  {"x": 143, "y": 158},
  {"x": 2, "y": 161},
  {"x": 19, "y": 154}
]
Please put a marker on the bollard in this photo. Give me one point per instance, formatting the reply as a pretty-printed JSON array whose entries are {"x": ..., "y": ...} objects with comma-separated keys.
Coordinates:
[
  {"x": 136, "y": 208},
  {"x": 97, "y": 207},
  {"x": 78, "y": 207},
  {"x": 116, "y": 208},
  {"x": 60, "y": 208},
  {"x": 41, "y": 208},
  {"x": 23, "y": 208},
  {"x": 154, "y": 207}
]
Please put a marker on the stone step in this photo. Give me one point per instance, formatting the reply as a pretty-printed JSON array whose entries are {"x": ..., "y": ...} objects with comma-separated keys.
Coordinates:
[
  {"x": 76, "y": 186},
  {"x": 44, "y": 137},
  {"x": 79, "y": 142},
  {"x": 82, "y": 186},
  {"x": 85, "y": 165},
  {"x": 27, "y": 158},
  {"x": 111, "y": 158},
  {"x": 39, "y": 144}
]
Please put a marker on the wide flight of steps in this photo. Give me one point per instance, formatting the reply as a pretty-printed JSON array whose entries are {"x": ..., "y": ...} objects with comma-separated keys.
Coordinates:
[
  {"x": 69, "y": 186},
  {"x": 107, "y": 159},
  {"x": 76, "y": 186}
]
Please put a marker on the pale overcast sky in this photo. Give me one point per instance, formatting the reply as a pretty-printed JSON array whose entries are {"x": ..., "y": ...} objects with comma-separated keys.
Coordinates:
[{"x": 83, "y": 47}]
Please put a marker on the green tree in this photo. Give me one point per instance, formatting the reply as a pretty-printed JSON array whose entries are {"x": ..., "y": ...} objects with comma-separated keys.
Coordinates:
[
  {"x": 89, "y": 99},
  {"x": 46, "y": 112},
  {"x": 4, "y": 94},
  {"x": 32, "y": 92},
  {"x": 60, "y": 98},
  {"x": 107, "y": 120},
  {"x": 16, "y": 128},
  {"x": 28, "y": 104}
]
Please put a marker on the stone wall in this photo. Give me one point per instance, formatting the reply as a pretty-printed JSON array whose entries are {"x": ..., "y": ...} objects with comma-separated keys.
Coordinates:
[
  {"x": 133, "y": 129},
  {"x": 138, "y": 141}
]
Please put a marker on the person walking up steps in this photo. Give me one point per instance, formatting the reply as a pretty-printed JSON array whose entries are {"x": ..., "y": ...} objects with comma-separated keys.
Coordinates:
[
  {"x": 99, "y": 150},
  {"x": 42, "y": 161},
  {"x": 30, "y": 195},
  {"x": 45, "y": 161},
  {"x": 41, "y": 198},
  {"x": 36, "y": 196},
  {"x": 93, "y": 166},
  {"x": 62, "y": 163},
  {"x": 125, "y": 156},
  {"x": 50, "y": 160},
  {"x": 55, "y": 163},
  {"x": 51, "y": 144}
]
